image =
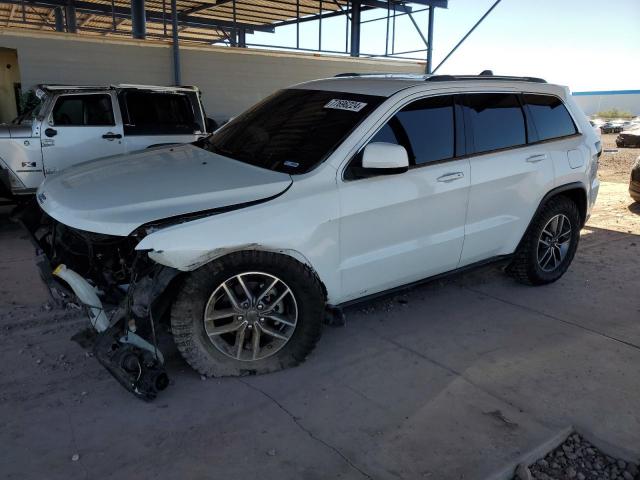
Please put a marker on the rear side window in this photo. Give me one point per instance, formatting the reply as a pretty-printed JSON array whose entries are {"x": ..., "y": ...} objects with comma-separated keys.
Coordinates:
[
  {"x": 550, "y": 116},
  {"x": 425, "y": 128},
  {"x": 158, "y": 113},
  {"x": 83, "y": 111},
  {"x": 494, "y": 121}
]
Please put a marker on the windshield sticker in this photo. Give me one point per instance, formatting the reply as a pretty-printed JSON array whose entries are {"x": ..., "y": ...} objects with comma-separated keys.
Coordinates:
[
  {"x": 289, "y": 163},
  {"x": 350, "y": 105}
]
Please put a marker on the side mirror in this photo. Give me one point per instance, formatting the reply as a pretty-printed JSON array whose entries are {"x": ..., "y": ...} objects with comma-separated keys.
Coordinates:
[{"x": 385, "y": 158}]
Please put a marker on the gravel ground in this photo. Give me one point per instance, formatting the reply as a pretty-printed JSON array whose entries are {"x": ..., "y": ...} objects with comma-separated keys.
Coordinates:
[
  {"x": 579, "y": 459},
  {"x": 616, "y": 167}
]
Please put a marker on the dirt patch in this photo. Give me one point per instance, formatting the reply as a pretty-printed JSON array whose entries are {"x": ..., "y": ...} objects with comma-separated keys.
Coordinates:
[
  {"x": 577, "y": 458},
  {"x": 616, "y": 166}
]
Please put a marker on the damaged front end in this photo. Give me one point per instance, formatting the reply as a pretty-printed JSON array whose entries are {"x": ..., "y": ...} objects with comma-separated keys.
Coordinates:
[{"x": 122, "y": 290}]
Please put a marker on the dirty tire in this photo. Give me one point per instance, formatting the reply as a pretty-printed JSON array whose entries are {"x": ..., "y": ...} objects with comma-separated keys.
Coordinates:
[
  {"x": 524, "y": 267},
  {"x": 187, "y": 313}
]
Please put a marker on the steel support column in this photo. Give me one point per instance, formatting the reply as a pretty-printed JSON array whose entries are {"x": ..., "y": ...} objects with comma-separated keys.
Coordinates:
[
  {"x": 355, "y": 28},
  {"x": 242, "y": 38},
  {"x": 176, "y": 46},
  {"x": 59, "y": 17},
  {"x": 432, "y": 11},
  {"x": 138, "y": 19},
  {"x": 70, "y": 13}
]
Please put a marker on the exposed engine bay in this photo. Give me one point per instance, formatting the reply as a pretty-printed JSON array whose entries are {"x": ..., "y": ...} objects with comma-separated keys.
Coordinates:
[{"x": 121, "y": 290}]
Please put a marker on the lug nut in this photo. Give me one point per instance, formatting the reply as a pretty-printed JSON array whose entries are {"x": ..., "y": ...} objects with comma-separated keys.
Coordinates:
[{"x": 260, "y": 306}]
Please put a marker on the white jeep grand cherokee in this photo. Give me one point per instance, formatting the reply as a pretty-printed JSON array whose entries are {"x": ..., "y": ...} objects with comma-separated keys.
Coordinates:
[{"x": 325, "y": 193}]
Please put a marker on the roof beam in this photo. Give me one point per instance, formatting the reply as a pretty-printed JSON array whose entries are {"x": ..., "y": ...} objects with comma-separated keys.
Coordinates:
[
  {"x": 433, "y": 3},
  {"x": 122, "y": 12},
  {"x": 13, "y": 10},
  {"x": 311, "y": 18},
  {"x": 87, "y": 19}
]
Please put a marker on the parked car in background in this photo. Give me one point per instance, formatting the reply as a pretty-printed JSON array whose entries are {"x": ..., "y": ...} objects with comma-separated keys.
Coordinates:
[
  {"x": 73, "y": 124},
  {"x": 634, "y": 183},
  {"x": 611, "y": 127},
  {"x": 323, "y": 194},
  {"x": 629, "y": 138}
]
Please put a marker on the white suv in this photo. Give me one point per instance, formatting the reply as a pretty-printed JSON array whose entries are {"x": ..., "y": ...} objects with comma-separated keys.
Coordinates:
[{"x": 323, "y": 194}]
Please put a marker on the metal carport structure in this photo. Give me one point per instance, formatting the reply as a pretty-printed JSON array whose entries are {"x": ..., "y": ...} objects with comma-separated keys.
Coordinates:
[{"x": 225, "y": 22}]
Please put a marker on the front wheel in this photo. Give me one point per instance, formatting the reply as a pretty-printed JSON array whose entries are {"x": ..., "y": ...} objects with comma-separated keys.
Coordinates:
[
  {"x": 248, "y": 313},
  {"x": 549, "y": 245}
]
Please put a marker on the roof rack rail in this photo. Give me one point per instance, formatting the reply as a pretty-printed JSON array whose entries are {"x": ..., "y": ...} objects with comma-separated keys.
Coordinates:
[
  {"x": 483, "y": 76},
  {"x": 378, "y": 74}
]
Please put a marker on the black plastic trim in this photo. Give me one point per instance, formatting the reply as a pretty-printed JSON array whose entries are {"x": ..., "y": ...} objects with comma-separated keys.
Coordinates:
[{"x": 408, "y": 286}]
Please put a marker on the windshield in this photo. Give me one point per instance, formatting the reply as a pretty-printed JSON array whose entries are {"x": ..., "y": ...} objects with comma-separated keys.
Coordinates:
[
  {"x": 292, "y": 131},
  {"x": 30, "y": 106}
]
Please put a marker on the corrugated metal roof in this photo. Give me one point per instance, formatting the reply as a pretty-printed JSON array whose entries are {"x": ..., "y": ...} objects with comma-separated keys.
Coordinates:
[{"x": 200, "y": 17}]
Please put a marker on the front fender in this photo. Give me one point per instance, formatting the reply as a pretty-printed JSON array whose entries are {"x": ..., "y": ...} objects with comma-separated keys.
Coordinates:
[{"x": 303, "y": 226}]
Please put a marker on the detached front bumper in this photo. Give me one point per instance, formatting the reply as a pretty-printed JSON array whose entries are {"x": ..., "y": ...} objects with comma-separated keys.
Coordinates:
[{"x": 123, "y": 307}]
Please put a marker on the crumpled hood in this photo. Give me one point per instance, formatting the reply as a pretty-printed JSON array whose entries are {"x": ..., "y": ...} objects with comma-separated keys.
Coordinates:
[{"x": 118, "y": 194}]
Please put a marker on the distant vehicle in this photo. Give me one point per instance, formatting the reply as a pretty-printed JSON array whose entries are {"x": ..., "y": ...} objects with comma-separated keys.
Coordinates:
[
  {"x": 627, "y": 125},
  {"x": 610, "y": 127},
  {"x": 634, "y": 184},
  {"x": 68, "y": 125},
  {"x": 323, "y": 194},
  {"x": 629, "y": 138}
]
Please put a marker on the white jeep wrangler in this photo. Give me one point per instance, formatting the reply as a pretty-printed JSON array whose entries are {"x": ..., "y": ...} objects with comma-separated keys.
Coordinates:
[
  {"x": 323, "y": 194},
  {"x": 72, "y": 124}
]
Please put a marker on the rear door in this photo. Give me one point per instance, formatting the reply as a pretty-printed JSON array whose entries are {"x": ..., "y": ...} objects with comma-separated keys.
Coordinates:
[
  {"x": 160, "y": 118},
  {"x": 510, "y": 172},
  {"x": 81, "y": 127},
  {"x": 396, "y": 229}
]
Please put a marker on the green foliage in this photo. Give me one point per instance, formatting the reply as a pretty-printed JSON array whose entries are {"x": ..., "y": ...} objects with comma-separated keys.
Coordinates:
[
  {"x": 614, "y": 113},
  {"x": 28, "y": 100}
]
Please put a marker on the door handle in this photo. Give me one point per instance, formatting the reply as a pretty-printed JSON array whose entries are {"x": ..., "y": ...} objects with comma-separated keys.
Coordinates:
[
  {"x": 450, "y": 177},
  {"x": 111, "y": 136},
  {"x": 536, "y": 158},
  {"x": 50, "y": 132}
]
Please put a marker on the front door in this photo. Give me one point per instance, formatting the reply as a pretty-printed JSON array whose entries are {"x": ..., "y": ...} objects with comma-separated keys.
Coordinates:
[
  {"x": 397, "y": 229},
  {"x": 81, "y": 127}
]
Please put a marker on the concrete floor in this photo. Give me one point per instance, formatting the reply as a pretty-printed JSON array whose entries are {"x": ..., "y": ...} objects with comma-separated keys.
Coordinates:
[{"x": 458, "y": 379}]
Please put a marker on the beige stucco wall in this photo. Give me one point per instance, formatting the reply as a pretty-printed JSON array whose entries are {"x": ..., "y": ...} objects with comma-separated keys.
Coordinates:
[
  {"x": 9, "y": 74},
  {"x": 231, "y": 79}
]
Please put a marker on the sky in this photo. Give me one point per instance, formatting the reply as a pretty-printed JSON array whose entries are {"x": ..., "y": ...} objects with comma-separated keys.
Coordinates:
[{"x": 584, "y": 44}]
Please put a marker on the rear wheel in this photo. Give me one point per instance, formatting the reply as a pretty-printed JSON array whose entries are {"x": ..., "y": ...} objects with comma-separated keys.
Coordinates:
[
  {"x": 549, "y": 245},
  {"x": 246, "y": 313}
]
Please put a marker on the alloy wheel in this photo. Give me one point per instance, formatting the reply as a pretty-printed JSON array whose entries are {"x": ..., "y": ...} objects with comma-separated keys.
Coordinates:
[
  {"x": 251, "y": 316},
  {"x": 554, "y": 243}
]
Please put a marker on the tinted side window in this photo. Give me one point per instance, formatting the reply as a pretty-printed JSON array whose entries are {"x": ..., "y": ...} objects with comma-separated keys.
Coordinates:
[
  {"x": 425, "y": 128},
  {"x": 149, "y": 113},
  {"x": 549, "y": 116},
  {"x": 83, "y": 110},
  {"x": 494, "y": 120}
]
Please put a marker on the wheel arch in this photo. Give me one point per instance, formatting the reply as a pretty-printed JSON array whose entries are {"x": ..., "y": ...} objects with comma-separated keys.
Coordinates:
[
  {"x": 575, "y": 191},
  {"x": 288, "y": 252}
]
